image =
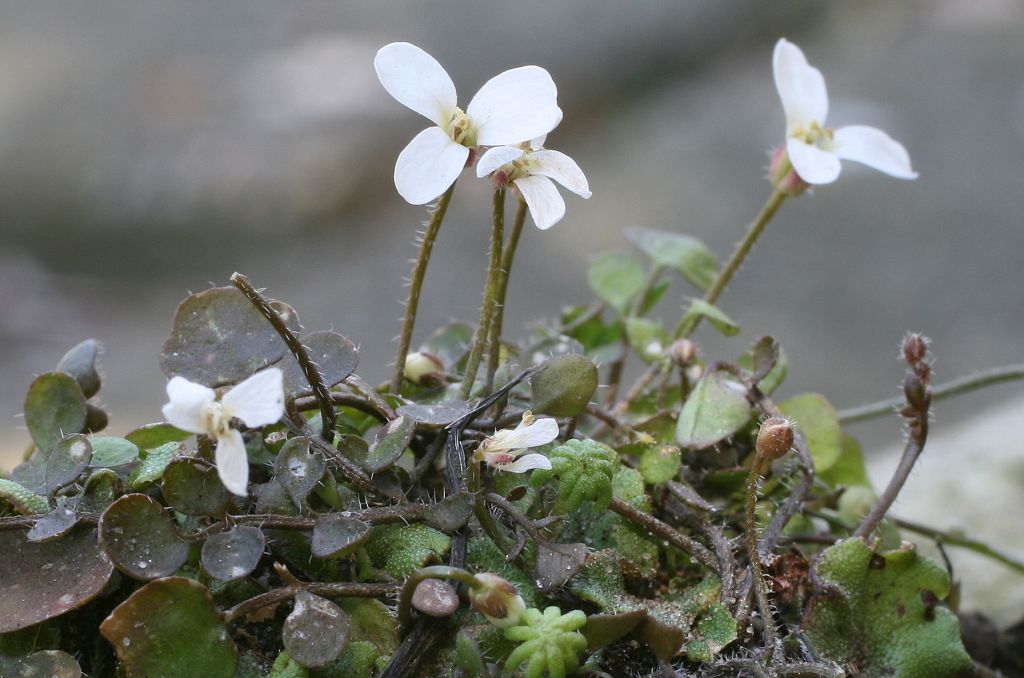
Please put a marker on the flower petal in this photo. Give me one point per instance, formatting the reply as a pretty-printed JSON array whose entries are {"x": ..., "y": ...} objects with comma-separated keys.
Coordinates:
[
  {"x": 540, "y": 432},
  {"x": 525, "y": 463},
  {"x": 513, "y": 113},
  {"x": 495, "y": 158},
  {"x": 259, "y": 400},
  {"x": 874, "y": 148},
  {"x": 801, "y": 87},
  {"x": 561, "y": 168},
  {"x": 814, "y": 165},
  {"x": 428, "y": 166},
  {"x": 532, "y": 75},
  {"x": 188, "y": 401},
  {"x": 416, "y": 80},
  {"x": 546, "y": 207},
  {"x": 233, "y": 462}
]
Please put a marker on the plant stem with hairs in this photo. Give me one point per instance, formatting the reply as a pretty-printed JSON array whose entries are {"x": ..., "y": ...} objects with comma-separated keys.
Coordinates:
[
  {"x": 507, "y": 256},
  {"x": 490, "y": 295}
]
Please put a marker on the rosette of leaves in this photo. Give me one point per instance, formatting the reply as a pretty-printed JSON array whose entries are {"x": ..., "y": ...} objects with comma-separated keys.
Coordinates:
[
  {"x": 584, "y": 469},
  {"x": 548, "y": 641}
]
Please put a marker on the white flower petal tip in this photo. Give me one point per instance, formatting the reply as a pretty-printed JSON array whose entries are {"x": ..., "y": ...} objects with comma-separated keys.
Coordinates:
[
  {"x": 525, "y": 463},
  {"x": 416, "y": 80},
  {"x": 813, "y": 151},
  {"x": 259, "y": 400},
  {"x": 233, "y": 463},
  {"x": 546, "y": 206},
  {"x": 428, "y": 166},
  {"x": 504, "y": 450}
]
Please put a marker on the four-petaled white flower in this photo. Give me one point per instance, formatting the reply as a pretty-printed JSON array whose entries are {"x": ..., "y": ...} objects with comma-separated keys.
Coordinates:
[
  {"x": 512, "y": 107},
  {"x": 814, "y": 150},
  {"x": 531, "y": 167},
  {"x": 257, "y": 401},
  {"x": 502, "y": 450}
]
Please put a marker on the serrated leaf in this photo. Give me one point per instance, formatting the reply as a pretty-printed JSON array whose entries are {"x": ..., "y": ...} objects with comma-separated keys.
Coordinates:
[
  {"x": 616, "y": 279},
  {"x": 648, "y": 338},
  {"x": 233, "y": 554},
  {"x": 218, "y": 337},
  {"x": 391, "y": 442},
  {"x": 140, "y": 538},
  {"x": 817, "y": 421},
  {"x": 109, "y": 451},
  {"x": 716, "y": 408},
  {"x": 54, "y": 408},
  {"x": 24, "y": 501},
  {"x": 169, "y": 628},
  {"x": 335, "y": 358},
  {"x": 43, "y": 580},
  {"x": 720, "y": 321},
  {"x": 80, "y": 363}
]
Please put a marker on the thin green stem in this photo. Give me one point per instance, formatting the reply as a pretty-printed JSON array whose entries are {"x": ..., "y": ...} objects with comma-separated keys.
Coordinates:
[
  {"x": 971, "y": 382},
  {"x": 954, "y": 539},
  {"x": 490, "y": 295},
  {"x": 757, "y": 574},
  {"x": 616, "y": 368},
  {"x": 507, "y": 256},
  {"x": 416, "y": 285},
  {"x": 687, "y": 325}
]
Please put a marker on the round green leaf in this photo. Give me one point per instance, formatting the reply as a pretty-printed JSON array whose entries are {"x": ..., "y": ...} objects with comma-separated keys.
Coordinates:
[
  {"x": 154, "y": 435},
  {"x": 42, "y": 580},
  {"x": 338, "y": 534},
  {"x": 692, "y": 258},
  {"x": 54, "y": 408},
  {"x": 817, "y": 421},
  {"x": 110, "y": 451},
  {"x": 66, "y": 461},
  {"x": 298, "y": 470},
  {"x": 616, "y": 278},
  {"x": 316, "y": 631},
  {"x": 233, "y": 554},
  {"x": 334, "y": 356},
  {"x": 140, "y": 538},
  {"x": 218, "y": 337},
  {"x": 80, "y": 363},
  {"x": 716, "y": 408},
  {"x": 660, "y": 463},
  {"x": 45, "y": 664},
  {"x": 193, "y": 487},
  {"x": 101, "y": 489},
  {"x": 169, "y": 628},
  {"x": 648, "y": 338},
  {"x": 564, "y": 385},
  {"x": 390, "y": 444}
]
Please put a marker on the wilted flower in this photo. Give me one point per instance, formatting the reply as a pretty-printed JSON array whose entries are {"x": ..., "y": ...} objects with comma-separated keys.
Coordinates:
[
  {"x": 531, "y": 168},
  {"x": 502, "y": 450},
  {"x": 257, "y": 401},
  {"x": 512, "y": 107},
  {"x": 814, "y": 150},
  {"x": 497, "y": 599}
]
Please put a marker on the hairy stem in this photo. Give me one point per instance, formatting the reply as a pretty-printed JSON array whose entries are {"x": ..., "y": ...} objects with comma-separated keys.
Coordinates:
[
  {"x": 507, "y": 257},
  {"x": 757, "y": 574},
  {"x": 661, "y": 529},
  {"x": 490, "y": 295},
  {"x": 419, "y": 270}
]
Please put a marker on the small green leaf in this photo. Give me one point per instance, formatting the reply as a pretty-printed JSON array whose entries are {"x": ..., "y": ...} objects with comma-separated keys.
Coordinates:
[
  {"x": 721, "y": 322},
  {"x": 616, "y": 279},
  {"x": 400, "y": 550},
  {"x": 233, "y": 554},
  {"x": 766, "y": 353},
  {"x": 152, "y": 467},
  {"x": 139, "y": 536},
  {"x": 43, "y": 580},
  {"x": 24, "y": 501},
  {"x": 80, "y": 363},
  {"x": 716, "y": 409},
  {"x": 584, "y": 469},
  {"x": 648, "y": 338},
  {"x": 218, "y": 337},
  {"x": 108, "y": 452},
  {"x": 54, "y": 408},
  {"x": 692, "y": 258},
  {"x": 101, "y": 489},
  {"x": 155, "y": 435},
  {"x": 849, "y": 469},
  {"x": 817, "y": 421},
  {"x": 660, "y": 463},
  {"x": 390, "y": 444},
  {"x": 169, "y": 628},
  {"x": 564, "y": 385},
  {"x": 192, "y": 487},
  {"x": 298, "y": 470},
  {"x": 316, "y": 631}
]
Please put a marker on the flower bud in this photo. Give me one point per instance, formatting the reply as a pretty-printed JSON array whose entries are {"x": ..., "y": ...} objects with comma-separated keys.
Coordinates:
[
  {"x": 774, "y": 439},
  {"x": 497, "y": 599},
  {"x": 682, "y": 352},
  {"x": 916, "y": 392},
  {"x": 783, "y": 176},
  {"x": 423, "y": 368},
  {"x": 915, "y": 348}
]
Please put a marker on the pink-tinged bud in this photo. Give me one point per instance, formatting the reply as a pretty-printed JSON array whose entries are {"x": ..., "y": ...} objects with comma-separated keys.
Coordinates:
[
  {"x": 774, "y": 439},
  {"x": 915, "y": 348},
  {"x": 424, "y": 368},
  {"x": 682, "y": 352},
  {"x": 497, "y": 599},
  {"x": 783, "y": 176},
  {"x": 500, "y": 179}
]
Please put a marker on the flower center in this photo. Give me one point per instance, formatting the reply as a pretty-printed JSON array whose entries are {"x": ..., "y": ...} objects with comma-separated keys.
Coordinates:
[
  {"x": 216, "y": 419},
  {"x": 461, "y": 129},
  {"x": 816, "y": 135}
]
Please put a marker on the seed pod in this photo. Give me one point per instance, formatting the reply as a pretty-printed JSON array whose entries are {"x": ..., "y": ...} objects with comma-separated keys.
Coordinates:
[{"x": 774, "y": 439}]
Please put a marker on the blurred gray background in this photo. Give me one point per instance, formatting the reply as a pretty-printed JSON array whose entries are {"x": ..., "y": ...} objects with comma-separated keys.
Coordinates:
[{"x": 149, "y": 148}]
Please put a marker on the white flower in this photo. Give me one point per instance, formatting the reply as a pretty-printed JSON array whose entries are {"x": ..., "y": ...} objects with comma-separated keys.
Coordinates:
[
  {"x": 510, "y": 108},
  {"x": 814, "y": 150},
  {"x": 502, "y": 450},
  {"x": 531, "y": 170},
  {"x": 257, "y": 401}
]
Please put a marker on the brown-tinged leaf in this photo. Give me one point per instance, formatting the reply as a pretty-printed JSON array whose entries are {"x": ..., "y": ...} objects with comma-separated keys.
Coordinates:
[{"x": 139, "y": 536}]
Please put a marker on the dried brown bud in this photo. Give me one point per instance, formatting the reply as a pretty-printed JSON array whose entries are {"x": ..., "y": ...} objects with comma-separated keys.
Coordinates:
[
  {"x": 915, "y": 348},
  {"x": 774, "y": 439},
  {"x": 682, "y": 352},
  {"x": 497, "y": 599}
]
